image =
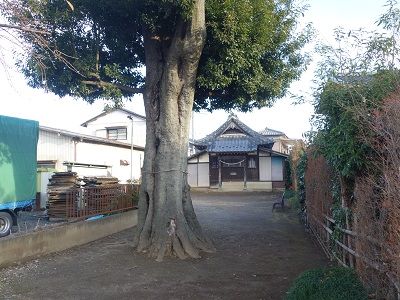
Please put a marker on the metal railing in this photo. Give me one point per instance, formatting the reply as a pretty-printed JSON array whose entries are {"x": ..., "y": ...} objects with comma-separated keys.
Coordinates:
[{"x": 81, "y": 203}]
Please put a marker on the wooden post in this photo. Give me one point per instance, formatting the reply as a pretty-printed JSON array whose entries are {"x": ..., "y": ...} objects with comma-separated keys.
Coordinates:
[
  {"x": 219, "y": 172},
  {"x": 349, "y": 244},
  {"x": 245, "y": 173},
  {"x": 346, "y": 203}
]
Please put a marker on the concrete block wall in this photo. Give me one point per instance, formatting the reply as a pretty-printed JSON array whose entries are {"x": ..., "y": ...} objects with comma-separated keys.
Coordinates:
[{"x": 16, "y": 249}]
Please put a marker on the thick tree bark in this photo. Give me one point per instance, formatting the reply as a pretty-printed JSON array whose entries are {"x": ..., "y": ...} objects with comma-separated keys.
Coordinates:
[{"x": 167, "y": 223}]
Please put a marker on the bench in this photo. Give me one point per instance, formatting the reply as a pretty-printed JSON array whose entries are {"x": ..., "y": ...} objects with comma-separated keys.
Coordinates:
[{"x": 280, "y": 203}]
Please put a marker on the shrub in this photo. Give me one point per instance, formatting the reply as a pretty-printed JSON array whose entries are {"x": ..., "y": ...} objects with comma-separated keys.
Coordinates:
[
  {"x": 289, "y": 193},
  {"x": 292, "y": 199},
  {"x": 288, "y": 174},
  {"x": 335, "y": 283},
  {"x": 300, "y": 173}
]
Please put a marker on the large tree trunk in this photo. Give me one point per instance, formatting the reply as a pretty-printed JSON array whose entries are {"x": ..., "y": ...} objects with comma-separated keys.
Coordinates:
[{"x": 167, "y": 223}]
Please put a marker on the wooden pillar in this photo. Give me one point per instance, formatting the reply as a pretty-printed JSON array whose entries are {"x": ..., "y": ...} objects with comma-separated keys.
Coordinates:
[
  {"x": 245, "y": 173},
  {"x": 219, "y": 172}
]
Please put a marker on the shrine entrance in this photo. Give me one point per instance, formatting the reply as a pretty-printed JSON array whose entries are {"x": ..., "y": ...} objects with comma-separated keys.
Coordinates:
[{"x": 232, "y": 168}]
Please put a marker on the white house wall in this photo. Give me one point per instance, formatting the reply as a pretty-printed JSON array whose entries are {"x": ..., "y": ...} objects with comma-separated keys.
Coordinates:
[
  {"x": 198, "y": 171},
  {"x": 193, "y": 160},
  {"x": 204, "y": 158},
  {"x": 59, "y": 147},
  {"x": 277, "y": 146},
  {"x": 110, "y": 156},
  {"x": 101, "y": 132},
  {"x": 265, "y": 168},
  {"x": 203, "y": 175},
  {"x": 192, "y": 174},
  {"x": 264, "y": 153},
  {"x": 280, "y": 147},
  {"x": 198, "y": 175},
  {"x": 119, "y": 118},
  {"x": 54, "y": 146}
]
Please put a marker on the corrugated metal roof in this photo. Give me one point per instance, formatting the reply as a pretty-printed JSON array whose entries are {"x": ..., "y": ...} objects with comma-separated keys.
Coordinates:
[
  {"x": 128, "y": 112},
  {"x": 90, "y": 138}
]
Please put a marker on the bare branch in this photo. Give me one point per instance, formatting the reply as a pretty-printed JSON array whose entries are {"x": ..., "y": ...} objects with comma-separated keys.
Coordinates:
[
  {"x": 122, "y": 87},
  {"x": 26, "y": 29}
]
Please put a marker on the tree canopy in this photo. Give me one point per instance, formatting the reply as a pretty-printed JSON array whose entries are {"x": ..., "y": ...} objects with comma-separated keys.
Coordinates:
[
  {"x": 251, "y": 55},
  {"x": 342, "y": 113},
  {"x": 354, "y": 77}
]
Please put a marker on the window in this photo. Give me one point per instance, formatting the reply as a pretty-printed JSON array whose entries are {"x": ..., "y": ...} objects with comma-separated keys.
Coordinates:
[
  {"x": 116, "y": 133},
  {"x": 251, "y": 163},
  {"x": 214, "y": 162}
]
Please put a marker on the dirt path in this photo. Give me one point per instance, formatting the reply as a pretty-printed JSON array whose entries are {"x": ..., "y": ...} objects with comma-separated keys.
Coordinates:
[{"x": 259, "y": 253}]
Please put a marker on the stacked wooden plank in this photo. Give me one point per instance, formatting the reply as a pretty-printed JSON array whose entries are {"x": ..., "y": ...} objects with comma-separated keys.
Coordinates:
[
  {"x": 62, "y": 187},
  {"x": 99, "y": 193},
  {"x": 100, "y": 181}
]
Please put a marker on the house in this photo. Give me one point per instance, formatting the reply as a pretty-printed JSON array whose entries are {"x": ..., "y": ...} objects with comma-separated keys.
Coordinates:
[
  {"x": 59, "y": 149},
  {"x": 236, "y": 157},
  {"x": 118, "y": 124},
  {"x": 62, "y": 150},
  {"x": 282, "y": 143},
  {"x": 114, "y": 147}
]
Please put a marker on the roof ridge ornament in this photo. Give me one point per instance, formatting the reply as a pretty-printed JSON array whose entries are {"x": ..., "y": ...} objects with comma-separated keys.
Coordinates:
[{"x": 232, "y": 115}]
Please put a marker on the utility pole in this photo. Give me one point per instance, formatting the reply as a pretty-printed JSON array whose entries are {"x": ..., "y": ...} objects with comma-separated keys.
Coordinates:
[
  {"x": 192, "y": 125},
  {"x": 131, "y": 163}
]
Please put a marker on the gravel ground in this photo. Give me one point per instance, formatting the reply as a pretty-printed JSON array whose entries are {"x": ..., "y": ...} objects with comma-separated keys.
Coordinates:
[
  {"x": 259, "y": 253},
  {"x": 32, "y": 220}
]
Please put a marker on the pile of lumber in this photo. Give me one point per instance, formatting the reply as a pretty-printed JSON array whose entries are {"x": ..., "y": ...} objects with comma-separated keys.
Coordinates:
[
  {"x": 100, "y": 181},
  {"x": 62, "y": 184}
]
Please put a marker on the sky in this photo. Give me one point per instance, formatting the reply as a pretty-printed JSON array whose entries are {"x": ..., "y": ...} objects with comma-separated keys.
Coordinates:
[{"x": 17, "y": 99}]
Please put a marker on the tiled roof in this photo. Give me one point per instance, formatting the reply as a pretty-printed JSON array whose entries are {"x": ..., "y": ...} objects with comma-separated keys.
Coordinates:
[
  {"x": 248, "y": 141},
  {"x": 233, "y": 144},
  {"x": 268, "y": 131}
]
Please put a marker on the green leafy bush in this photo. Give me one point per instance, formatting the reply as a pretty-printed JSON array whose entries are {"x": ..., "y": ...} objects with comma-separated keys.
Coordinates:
[
  {"x": 288, "y": 174},
  {"x": 289, "y": 193},
  {"x": 300, "y": 173},
  {"x": 292, "y": 199},
  {"x": 336, "y": 283}
]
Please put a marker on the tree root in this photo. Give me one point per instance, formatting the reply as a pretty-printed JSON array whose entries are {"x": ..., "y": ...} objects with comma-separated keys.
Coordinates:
[{"x": 176, "y": 241}]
